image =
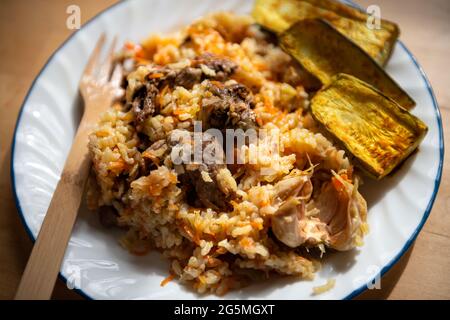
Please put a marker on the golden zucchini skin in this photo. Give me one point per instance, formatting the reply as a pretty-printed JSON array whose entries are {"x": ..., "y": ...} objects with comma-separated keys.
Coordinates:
[
  {"x": 325, "y": 52},
  {"x": 377, "y": 131},
  {"x": 279, "y": 15}
]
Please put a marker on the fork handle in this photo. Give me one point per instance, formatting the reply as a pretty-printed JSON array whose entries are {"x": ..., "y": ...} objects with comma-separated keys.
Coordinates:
[{"x": 45, "y": 260}]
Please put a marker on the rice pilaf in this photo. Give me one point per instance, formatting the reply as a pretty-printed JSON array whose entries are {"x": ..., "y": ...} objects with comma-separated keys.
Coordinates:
[{"x": 223, "y": 226}]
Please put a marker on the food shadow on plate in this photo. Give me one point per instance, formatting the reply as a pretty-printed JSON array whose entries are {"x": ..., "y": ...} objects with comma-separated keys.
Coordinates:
[
  {"x": 333, "y": 262},
  {"x": 77, "y": 110},
  {"x": 261, "y": 289},
  {"x": 151, "y": 263},
  {"x": 338, "y": 261},
  {"x": 374, "y": 190}
]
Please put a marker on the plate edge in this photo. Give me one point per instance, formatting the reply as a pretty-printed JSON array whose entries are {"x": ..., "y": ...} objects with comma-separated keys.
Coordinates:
[{"x": 355, "y": 292}]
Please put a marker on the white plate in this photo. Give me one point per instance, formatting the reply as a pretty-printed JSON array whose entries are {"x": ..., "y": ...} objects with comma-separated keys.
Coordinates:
[{"x": 95, "y": 262}]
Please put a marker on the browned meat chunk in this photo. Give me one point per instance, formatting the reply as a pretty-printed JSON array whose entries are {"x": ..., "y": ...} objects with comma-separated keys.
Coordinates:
[
  {"x": 187, "y": 77},
  {"x": 229, "y": 107},
  {"x": 144, "y": 104},
  {"x": 223, "y": 68},
  {"x": 207, "y": 188},
  {"x": 208, "y": 183}
]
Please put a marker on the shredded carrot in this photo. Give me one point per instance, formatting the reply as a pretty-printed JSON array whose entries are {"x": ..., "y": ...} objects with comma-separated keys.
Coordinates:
[
  {"x": 178, "y": 112},
  {"x": 117, "y": 166},
  {"x": 261, "y": 66},
  {"x": 259, "y": 121},
  {"x": 142, "y": 61},
  {"x": 217, "y": 84},
  {"x": 140, "y": 53},
  {"x": 156, "y": 75},
  {"x": 167, "y": 280},
  {"x": 149, "y": 155},
  {"x": 256, "y": 225},
  {"x": 271, "y": 109},
  {"x": 130, "y": 45},
  {"x": 346, "y": 176},
  {"x": 197, "y": 237},
  {"x": 337, "y": 184},
  {"x": 101, "y": 133}
]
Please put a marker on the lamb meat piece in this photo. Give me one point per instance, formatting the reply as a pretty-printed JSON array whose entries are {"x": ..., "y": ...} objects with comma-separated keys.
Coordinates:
[
  {"x": 229, "y": 107},
  {"x": 241, "y": 113},
  {"x": 144, "y": 104},
  {"x": 208, "y": 182},
  {"x": 187, "y": 77},
  {"x": 211, "y": 180},
  {"x": 222, "y": 67},
  {"x": 214, "y": 113}
]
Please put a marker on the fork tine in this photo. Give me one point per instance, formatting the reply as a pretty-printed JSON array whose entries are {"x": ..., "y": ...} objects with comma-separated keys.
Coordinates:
[
  {"x": 116, "y": 76},
  {"x": 105, "y": 69},
  {"x": 91, "y": 65},
  {"x": 116, "y": 79}
]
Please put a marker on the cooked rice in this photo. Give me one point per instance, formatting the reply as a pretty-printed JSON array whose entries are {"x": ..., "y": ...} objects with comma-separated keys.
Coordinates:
[
  {"x": 214, "y": 251},
  {"x": 325, "y": 287}
]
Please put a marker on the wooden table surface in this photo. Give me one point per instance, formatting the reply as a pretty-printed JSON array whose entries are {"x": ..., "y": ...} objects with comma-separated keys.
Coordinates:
[{"x": 31, "y": 30}]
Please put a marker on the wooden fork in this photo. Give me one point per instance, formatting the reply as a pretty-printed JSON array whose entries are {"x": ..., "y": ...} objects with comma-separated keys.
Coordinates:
[{"x": 98, "y": 90}]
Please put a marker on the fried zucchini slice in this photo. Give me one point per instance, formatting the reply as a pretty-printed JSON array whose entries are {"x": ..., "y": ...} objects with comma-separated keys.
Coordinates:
[
  {"x": 376, "y": 130},
  {"x": 325, "y": 52},
  {"x": 279, "y": 15}
]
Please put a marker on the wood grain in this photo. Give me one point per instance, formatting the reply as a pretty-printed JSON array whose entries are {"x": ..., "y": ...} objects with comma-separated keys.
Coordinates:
[
  {"x": 46, "y": 257},
  {"x": 32, "y": 30}
]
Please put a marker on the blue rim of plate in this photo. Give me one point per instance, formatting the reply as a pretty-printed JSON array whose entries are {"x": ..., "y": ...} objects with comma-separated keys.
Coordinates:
[{"x": 355, "y": 292}]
